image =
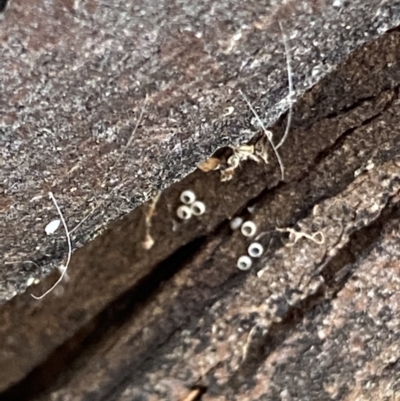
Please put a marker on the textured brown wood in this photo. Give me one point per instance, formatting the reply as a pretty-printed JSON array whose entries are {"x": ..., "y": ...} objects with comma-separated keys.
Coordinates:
[{"x": 320, "y": 322}]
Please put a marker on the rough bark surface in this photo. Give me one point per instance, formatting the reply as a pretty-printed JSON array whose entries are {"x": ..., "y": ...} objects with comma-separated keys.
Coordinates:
[
  {"x": 74, "y": 79},
  {"x": 316, "y": 318}
]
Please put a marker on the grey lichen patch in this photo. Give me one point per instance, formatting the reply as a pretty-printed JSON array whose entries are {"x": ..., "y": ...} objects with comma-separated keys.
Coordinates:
[{"x": 75, "y": 76}]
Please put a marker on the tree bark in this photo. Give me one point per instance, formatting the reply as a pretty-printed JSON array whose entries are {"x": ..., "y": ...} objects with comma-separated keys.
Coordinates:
[{"x": 316, "y": 317}]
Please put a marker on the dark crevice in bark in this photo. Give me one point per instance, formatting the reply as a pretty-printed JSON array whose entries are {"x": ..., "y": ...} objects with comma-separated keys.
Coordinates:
[
  {"x": 3, "y": 5},
  {"x": 113, "y": 316}
]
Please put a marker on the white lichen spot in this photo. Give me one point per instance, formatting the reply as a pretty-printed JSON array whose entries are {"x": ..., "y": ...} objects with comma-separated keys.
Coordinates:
[
  {"x": 30, "y": 281},
  {"x": 52, "y": 227}
]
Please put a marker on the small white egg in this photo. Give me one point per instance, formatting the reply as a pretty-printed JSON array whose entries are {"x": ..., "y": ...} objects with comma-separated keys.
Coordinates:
[
  {"x": 198, "y": 208},
  {"x": 255, "y": 250},
  {"x": 187, "y": 197},
  {"x": 235, "y": 223},
  {"x": 184, "y": 212},
  {"x": 244, "y": 263},
  {"x": 248, "y": 229}
]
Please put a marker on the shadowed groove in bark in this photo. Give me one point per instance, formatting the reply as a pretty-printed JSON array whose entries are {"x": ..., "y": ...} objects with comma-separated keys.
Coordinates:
[
  {"x": 84, "y": 342},
  {"x": 3, "y": 5}
]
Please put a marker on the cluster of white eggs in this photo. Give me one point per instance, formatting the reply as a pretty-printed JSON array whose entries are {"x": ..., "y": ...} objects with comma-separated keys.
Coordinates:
[
  {"x": 190, "y": 206},
  {"x": 255, "y": 249}
]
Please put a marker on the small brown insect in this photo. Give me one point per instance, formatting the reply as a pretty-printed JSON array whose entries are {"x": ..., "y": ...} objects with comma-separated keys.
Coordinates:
[
  {"x": 213, "y": 163},
  {"x": 257, "y": 152}
]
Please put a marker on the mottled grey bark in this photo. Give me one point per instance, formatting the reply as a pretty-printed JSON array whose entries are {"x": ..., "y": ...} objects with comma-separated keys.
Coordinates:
[{"x": 74, "y": 78}]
